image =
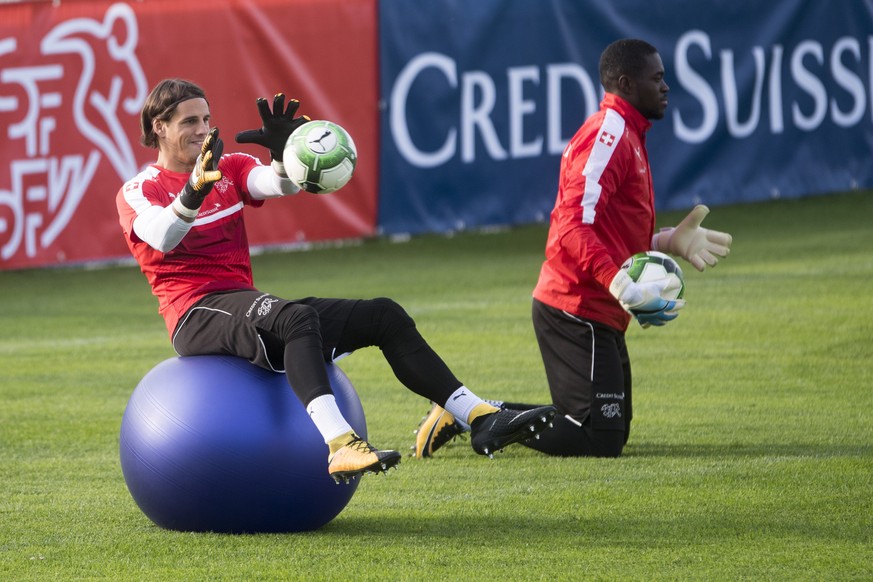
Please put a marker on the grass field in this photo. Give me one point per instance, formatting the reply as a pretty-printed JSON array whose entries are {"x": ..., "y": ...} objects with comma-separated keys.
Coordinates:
[{"x": 750, "y": 456}]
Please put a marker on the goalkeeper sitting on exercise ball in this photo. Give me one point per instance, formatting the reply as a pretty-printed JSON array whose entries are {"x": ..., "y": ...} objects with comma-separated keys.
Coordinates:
[
  {"x": 182, "y": 218},
  {"x": 583, "y": 301}
]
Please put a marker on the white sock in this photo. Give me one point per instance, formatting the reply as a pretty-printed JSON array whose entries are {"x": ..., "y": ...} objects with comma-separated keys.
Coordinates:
[
  {"x": 327, "y": 417},
  {"x": 462, "y": 402}
]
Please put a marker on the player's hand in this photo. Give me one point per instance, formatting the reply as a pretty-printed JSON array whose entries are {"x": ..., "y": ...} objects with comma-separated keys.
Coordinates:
[
  {"x": 699, "y": 246},
  {"x": 279, "y": 124},
  {"x": 645, "y": 301},
  {"x": 206, "y": 172}
]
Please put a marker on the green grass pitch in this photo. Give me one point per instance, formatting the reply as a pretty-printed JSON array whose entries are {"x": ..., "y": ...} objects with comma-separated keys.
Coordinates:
[{"x": 750, "y": 456}]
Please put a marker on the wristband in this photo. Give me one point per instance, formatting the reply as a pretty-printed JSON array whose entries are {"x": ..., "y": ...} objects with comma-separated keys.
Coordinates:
[
  {"x": 183, "y": 211},
  {"x": 279, "y": 168},
  {"x": 661, "y": 239},
  {"x": 620, "y": 283}
]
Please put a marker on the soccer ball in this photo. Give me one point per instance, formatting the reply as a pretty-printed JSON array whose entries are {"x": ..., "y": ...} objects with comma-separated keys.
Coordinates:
[
  {"x": 320, "y": 157},
  {"x": 654, "y": 266}
]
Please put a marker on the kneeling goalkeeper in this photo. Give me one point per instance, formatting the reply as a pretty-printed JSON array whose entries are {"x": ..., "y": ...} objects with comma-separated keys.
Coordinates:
[{"x": 583, "y": 302}]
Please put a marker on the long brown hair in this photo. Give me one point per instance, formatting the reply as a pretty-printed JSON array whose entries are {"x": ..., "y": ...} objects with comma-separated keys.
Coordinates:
[{"x": 161, "y": 104}]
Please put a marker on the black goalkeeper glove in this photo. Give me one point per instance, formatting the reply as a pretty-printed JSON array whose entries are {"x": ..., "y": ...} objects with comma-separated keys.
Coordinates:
[
  {"x": 278, "y": 126},
  {"x": 206, "y": 172}
]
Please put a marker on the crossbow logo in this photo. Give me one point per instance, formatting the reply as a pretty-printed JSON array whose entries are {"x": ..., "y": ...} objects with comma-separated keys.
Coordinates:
[
  {"x": 58, "y": 128},
  {"x": 266, "y": 306},
  {"x": 610, "y": 410}
]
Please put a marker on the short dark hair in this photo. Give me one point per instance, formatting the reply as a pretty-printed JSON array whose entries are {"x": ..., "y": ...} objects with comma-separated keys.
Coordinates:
[
  {"x": 161, "y": 104},
  {"x": 623, "y": 57}
]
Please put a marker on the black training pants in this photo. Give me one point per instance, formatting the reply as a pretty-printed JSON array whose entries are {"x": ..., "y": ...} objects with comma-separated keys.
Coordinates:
[
  {"x": 297, "y": 337},
  {"x": 589, "y": 375}
]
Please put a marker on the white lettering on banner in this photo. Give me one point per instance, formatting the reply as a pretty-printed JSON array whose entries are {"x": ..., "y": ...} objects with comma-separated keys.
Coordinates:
[
  {"x": 744, "y": 108},
  {"x": 731, "y": 97},
  {"x": 806, "y": 64},
  {"x": 477, "y": 99},
  {"x": 556, "y": 73},
  {"x": 45, "y": 187},
  {"x": 696, "y": 85},
  {"x": 777, "y": 124},
  {"x": 475, "y": 116},
  {"x": 806, "y": 80},
  {"x": 397, "y": 119},
  {"x": 846, "y": 79},
  {"x": 518, "y": 108}
]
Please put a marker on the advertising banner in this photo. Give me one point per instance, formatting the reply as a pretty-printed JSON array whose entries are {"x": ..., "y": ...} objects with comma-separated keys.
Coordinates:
[
  {"x": 74, "y": 76},
  {"x": 768, "y": 99},
  {"x": 460, "y": 110}
]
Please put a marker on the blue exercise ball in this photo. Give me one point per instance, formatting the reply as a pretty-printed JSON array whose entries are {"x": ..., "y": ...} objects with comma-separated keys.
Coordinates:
[{"x": 214, "y": 443}]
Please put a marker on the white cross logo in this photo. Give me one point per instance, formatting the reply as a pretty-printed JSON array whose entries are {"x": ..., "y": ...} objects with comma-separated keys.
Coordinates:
[{"x": 607, "y": 139}]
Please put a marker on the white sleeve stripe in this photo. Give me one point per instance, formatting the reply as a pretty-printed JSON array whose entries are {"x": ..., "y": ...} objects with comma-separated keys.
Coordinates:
[
  {"x": 608, "y": 136},
  {"x": 134, "y": 196},
  {"x": 219, "y": 215}
]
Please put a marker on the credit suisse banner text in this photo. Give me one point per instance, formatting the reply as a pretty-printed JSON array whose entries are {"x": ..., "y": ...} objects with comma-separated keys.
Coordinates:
[
  {"x": 768, "y": 99},
  {"x": 460, "y": 110}
]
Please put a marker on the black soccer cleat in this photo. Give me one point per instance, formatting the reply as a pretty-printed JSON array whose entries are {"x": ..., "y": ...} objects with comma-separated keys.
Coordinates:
[{"x": 493, "y": 432}]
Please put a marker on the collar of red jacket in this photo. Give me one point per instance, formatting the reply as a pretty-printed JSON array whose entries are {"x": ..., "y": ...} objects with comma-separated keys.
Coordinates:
[{"x": 631, "y": 116}]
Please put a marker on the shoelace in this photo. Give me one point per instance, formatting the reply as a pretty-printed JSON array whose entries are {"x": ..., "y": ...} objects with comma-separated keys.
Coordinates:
[{"x": 360, "y": 445}]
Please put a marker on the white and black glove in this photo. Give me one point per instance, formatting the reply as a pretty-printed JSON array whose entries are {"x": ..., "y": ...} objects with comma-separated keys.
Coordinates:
[
  {"x": 645, "y": 301},
  {"x": 278, "y": 126},
  {"x": 699, "y": 246},
  {"x": 204, "y": 176}
]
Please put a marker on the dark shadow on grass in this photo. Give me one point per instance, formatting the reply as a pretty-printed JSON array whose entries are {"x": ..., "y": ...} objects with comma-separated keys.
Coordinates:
[{"x": 691, "y": 450}]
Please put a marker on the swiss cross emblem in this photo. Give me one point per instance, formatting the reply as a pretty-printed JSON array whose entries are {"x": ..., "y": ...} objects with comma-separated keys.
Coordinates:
[{"x": 607, "y": 139}]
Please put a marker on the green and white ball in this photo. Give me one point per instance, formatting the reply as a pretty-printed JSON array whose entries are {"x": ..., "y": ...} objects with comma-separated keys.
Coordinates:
[
  {"x": 320, "y": 157},
  {"x": 654, "y": 266}
]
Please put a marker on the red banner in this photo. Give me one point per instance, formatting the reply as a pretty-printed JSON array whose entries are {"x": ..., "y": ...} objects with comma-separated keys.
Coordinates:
[{"x": 73, "y": 79}]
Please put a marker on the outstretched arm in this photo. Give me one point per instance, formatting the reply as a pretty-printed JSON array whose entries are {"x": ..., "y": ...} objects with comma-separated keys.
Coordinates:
[
  {"x": 278, "y": 125},
  {"x": 697, "y": 245},
  {"x": 164, "y": 228},
  {"x": 264, "y": 183}
]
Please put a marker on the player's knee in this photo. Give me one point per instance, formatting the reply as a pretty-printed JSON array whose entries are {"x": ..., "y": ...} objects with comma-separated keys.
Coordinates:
[
  {"x": 391, "y": 315},
  {"x": 394, "y": 330},
  {"x": 607, "y": 443}
]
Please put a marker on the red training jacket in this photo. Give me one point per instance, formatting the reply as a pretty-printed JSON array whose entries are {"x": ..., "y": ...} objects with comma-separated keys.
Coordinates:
[
  {"x": 604, "y": 213},
  {"x": 213, "y": 255}
]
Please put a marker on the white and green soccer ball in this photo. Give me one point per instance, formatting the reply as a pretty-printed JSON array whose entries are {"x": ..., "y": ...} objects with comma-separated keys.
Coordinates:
[
  {"x": 654, "y": 266},
  {"x": 320, "y": 157}
]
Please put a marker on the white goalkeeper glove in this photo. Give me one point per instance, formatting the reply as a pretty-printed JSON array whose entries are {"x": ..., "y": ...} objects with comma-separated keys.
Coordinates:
[
  {"x": 699, "y": 246},
  {"x": 644, "y": 300}
]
